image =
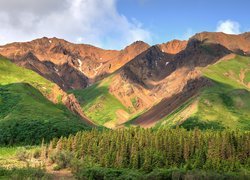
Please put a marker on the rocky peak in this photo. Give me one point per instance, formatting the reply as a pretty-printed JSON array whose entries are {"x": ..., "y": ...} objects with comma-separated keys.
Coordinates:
[
  {"x": 173, "y": 47},
  {"x": 235, "y": 43}
]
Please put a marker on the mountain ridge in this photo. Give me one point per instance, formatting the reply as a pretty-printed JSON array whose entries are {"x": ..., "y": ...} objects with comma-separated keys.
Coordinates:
[{"x": 135, "y": 79}]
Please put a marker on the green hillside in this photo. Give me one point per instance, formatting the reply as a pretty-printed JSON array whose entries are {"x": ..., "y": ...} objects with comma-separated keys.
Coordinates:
[
  {"x": 10, "y": 73},
  {"x": 98, "y": 104},
  {"x": 225, "y": 104},
  {"x": 26, "y": 116}
]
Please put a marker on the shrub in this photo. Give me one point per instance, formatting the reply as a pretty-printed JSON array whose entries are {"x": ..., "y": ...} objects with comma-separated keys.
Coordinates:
[
  {"x": 37, "y": 153},
  {"x": 56, "y": 168},
  {"x": 108, "y": 173},
  {"x": 24, "y": 173},
  {"x": 22, "y": 154},
  {"x": 63, "y": 159}
]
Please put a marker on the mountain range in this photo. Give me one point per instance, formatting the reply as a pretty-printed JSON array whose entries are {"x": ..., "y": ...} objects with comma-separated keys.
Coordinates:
[{"x": 64, "y": 87}]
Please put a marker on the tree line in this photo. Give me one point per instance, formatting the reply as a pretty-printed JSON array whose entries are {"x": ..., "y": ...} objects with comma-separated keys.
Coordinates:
[{"x": 148, "y": 149}]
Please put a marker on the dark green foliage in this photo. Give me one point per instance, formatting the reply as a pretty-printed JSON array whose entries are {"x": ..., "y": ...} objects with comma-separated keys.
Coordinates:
[
  {"x": 194, "y": 122},
  {"x": 227, "y": 100},
  {"x": 157, "y": 174},
  {"x": 26, "y": 116},
  {"x": 98, "y": 173},
  {"x": 149, "y": 149},
  {"x": 23, "y": 174}
]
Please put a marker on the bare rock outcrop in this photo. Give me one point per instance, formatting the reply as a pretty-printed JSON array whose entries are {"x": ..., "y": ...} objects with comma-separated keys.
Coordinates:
[{"x": 73, "y": 105}]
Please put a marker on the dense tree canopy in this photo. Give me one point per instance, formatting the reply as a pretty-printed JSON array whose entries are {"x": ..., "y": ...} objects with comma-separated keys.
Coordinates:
[{"x": 147, "y": 149}]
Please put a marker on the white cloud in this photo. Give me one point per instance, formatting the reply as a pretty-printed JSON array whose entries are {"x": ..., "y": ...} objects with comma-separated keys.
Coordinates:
[
  {"x": 228, "y": 27},
  {"x": 94, "y": 22}
]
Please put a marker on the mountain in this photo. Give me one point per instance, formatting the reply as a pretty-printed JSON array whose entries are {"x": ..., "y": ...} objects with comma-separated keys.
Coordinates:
[
  {"x": 201, "y": 82},
  {"x": 159, "y": 81},
  {"x": 71, "y": 66},
  {"x": 33, "y": 108}
]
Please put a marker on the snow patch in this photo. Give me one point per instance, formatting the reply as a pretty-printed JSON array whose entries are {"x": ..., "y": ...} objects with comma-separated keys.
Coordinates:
[
  {"x": 80, "y": 62},
  {"x": 162, "y": 50},
  {"x": 50, "y": 41},
  {"x": 166, "y": 63},
  {"x": 56, "y": 69},
  {"x": 80, "y": 65}
]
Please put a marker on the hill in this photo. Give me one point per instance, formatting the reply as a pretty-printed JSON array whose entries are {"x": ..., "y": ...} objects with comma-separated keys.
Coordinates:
[
  {"x": 224, "y": 104},
  {"x": 26, "y": 115}
]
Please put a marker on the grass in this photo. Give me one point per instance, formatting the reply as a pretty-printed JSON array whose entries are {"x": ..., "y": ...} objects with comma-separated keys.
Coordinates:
[
  {"x": 228, "y": 72},
  {"x": 174, "y": 118},
  {"x": 12, "y": 168},
  {"x": 225, "y": 104},
  {"x": 98, "y": 104},
  {"x": 9, "y": 160},
  {"x": 26, "y": 116},
  {"x": 10, "y": 73},
  {"x": 7, "y": 152}
]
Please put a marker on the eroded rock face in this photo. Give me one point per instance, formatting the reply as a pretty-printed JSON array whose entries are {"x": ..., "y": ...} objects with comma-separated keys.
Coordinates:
[{"x": 73, "y": 105}]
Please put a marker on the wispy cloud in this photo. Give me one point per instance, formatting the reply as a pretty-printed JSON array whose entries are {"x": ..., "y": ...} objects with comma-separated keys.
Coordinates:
[
  {"x": 95, "y": 22},
  {"x": 229, "y": 27}
]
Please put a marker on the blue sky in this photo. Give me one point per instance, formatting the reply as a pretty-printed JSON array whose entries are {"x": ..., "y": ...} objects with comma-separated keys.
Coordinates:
[
  {"x": 113, "y": 24},
  {"x": 169, "y": 19}
]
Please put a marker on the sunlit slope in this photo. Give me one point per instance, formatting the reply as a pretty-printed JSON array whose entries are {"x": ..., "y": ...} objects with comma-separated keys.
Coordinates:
[
  {"x": 224, "y": 104},
  {"x": 26, "y": 116},
  {"x": 99, "y": 104}
]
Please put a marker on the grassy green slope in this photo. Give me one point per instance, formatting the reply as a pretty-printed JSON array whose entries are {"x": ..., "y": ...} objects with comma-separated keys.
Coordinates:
[
  {"x": 226, "y": 104},
  {"x": 26, "y": 116},
  {"x": 10, "y": 73},
  {"x": 98, "y": 104}
]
